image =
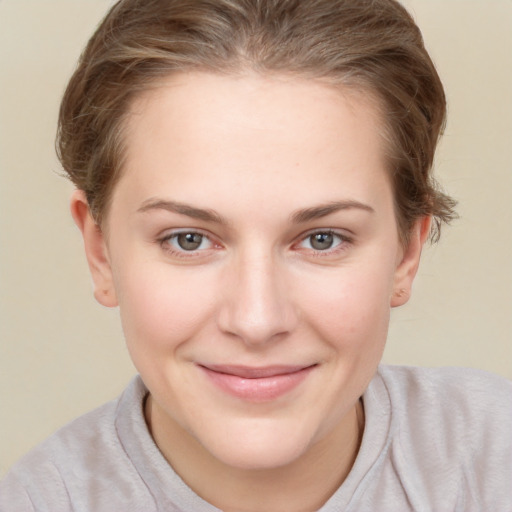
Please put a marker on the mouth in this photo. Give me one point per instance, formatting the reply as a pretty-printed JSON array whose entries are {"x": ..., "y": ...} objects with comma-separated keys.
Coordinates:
[{"x": 256, "y": 384}]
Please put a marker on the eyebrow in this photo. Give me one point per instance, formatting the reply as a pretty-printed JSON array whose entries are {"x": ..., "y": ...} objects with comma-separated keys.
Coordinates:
[
  {"x": 208, "y": 215},
  {"x": 204, "y": 214},
  {"x": 317, "y": 212}
]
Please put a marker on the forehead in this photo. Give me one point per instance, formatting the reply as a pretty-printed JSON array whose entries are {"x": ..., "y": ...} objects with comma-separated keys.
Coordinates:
[
  {"x": 253, "y": 101},
  {"x": 245, "y": 132}
]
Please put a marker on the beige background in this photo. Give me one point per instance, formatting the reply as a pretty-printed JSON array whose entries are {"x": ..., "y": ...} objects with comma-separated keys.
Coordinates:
[{"x": 62, "y": 354}]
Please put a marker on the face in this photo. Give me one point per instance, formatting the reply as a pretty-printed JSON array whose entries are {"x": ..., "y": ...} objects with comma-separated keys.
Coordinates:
[{"x": 252, "y": 247}]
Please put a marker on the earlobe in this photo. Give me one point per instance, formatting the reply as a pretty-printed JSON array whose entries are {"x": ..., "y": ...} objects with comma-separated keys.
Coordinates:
[
  {"x": 409, "y": 263},
  {"x": 95, "y": 250}
]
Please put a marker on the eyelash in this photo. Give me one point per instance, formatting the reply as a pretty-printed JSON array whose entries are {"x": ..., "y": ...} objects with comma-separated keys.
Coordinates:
[
  {"x": 342, "y": 245},
  {"x": 166, "y": 241}
]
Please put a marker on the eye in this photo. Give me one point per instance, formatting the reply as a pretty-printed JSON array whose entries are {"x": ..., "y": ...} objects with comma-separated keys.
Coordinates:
[
  {"x": 187, "y": 241},
  {"x": 323, "y": 241}
]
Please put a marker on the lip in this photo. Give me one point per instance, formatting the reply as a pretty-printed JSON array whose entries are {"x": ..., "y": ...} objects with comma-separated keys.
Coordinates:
[{"x": 256, "y": 384}]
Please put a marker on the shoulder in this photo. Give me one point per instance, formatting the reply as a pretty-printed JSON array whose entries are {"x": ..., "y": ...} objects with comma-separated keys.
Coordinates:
[
  {"x": 454, "y": 429},
  {"x": 41, "y": 477},
  {"x": 456, "y": 401},
  {"x": 455, "y": 394},
  {"x": 77, "y": 462}
]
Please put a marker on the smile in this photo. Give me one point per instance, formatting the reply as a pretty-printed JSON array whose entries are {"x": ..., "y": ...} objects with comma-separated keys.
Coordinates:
[{"x": 256, "y": 384}]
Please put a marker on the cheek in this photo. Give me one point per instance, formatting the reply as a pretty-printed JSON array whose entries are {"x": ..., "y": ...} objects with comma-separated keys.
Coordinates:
[
  {"x": 162, "y": 307},
  {"x": 349, "y": 306}
]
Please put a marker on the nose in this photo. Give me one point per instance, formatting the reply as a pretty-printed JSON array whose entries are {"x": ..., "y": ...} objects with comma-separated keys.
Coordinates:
[{"x": 257, "y": 306}]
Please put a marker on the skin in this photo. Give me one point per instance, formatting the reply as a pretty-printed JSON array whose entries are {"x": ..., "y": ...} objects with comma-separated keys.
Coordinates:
[{"x": 256, "y": 165}]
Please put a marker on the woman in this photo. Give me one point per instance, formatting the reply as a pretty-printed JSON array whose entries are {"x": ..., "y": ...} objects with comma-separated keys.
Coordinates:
[{"x": 254, "y": 190}]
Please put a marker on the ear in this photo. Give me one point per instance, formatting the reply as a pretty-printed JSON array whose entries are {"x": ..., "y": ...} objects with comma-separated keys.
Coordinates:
[
  {"x": 95, "y": 250},
  {"x": 409, "y": 263}
]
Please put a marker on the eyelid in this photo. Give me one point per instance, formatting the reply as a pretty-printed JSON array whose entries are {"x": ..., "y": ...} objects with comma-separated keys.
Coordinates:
[
  {"x": 167, "y": 235},
  {"x": 345, "y": 240},
  {"x": 164, "y": 238}
]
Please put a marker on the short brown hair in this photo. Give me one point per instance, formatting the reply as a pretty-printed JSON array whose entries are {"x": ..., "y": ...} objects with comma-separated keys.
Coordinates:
[{"x": 370, "y": 45}]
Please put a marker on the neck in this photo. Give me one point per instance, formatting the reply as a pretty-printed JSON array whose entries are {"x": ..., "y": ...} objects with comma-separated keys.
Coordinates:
[{"x": 303, "y": 485}]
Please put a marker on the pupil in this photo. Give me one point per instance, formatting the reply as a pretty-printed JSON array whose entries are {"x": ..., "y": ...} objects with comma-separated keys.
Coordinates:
[
  {"x": 322, "y": 241},
  {"x": 189, "y": 241}
]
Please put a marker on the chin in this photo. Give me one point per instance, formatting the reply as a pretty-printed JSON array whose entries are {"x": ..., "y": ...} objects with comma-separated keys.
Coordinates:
[
  {"x": 258, "y": 446},
  {"x": 245, "y": 457}
]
